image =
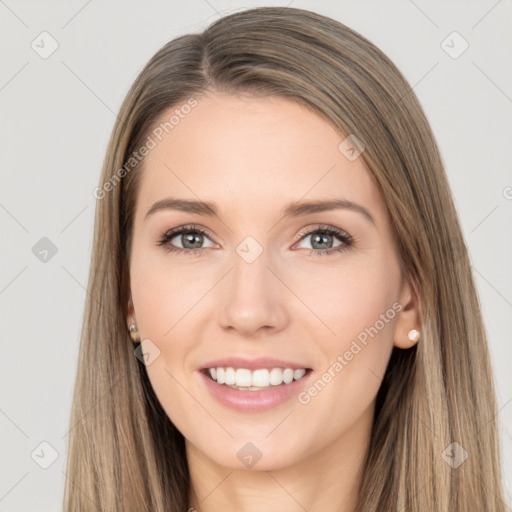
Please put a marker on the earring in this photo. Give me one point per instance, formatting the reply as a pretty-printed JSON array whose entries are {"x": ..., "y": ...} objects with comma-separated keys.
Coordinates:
[
  {"x": 134, "y": 333},
  {"x": 414, "y": 335}
]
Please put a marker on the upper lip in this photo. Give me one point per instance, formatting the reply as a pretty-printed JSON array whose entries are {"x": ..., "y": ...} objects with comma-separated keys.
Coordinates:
[{"x": 253, "y": 364}]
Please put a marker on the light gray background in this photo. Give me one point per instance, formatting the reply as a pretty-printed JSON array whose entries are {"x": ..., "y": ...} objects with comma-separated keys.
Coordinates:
[{"x": 57, "y": 114}]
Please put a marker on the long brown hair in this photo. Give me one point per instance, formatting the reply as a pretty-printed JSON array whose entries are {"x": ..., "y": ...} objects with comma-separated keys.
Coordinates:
[{"x": 124, "y": 452}]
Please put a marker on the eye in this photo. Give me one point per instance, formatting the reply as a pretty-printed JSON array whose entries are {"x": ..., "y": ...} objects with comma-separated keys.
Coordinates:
[
  {"x": 323, "y": 240},
  {"x": 191, "y": 239}
]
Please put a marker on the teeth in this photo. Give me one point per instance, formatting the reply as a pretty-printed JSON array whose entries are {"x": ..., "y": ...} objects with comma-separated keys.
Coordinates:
[
  {"x": 258, "y": 379},
  {"x": 229, "y": 376}
]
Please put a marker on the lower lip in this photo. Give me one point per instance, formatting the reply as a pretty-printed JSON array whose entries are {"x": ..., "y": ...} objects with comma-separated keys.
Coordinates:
[{"x": 254, "y": 401}]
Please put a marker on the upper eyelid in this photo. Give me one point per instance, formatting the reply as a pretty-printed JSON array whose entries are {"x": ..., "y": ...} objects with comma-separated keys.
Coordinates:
[{"x": 323, "y": 227}]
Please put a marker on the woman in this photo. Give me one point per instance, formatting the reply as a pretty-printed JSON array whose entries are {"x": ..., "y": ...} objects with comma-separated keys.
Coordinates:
[{"x": 223, "y": 364}]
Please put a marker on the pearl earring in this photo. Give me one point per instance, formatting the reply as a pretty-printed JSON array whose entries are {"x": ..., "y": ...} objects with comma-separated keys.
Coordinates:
[
  {"x": 134, "y": 333},
  {"x": 414, "y": 335}
]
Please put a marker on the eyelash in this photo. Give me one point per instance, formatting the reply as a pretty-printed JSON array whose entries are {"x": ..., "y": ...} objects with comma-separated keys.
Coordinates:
[{"x": 344, "y": 237}]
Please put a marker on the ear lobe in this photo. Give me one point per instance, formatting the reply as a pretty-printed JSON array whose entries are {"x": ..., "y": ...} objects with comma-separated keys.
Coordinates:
[{"x": 408, "y": 318}]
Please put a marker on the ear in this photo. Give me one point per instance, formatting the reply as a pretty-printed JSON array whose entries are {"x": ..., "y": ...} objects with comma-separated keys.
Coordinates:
[{"x": 409, "y": 316}]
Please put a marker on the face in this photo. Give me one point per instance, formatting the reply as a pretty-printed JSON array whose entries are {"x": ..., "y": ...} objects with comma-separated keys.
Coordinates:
[{"x": 319, "y": 290}]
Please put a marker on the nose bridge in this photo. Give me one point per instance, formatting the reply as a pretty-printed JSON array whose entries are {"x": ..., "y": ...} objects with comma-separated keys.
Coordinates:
[{"x": 250, "y": 272}]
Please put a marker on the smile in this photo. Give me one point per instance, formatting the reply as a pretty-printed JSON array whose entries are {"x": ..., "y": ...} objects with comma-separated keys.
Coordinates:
[
  {"x": 254, "y": 380},
  {"x": 255, "y": 398}
]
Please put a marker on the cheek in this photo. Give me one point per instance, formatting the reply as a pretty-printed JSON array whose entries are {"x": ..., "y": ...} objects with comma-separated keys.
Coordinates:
[
  {"x": 355, "y": 360},
  {"x": 349, "y": 296},
  {"x": 165, "y": 291},
  {"x": 164, "y": 300},
  {"x": 358, "y": 303},
  {"x": 166, "y": 295}
]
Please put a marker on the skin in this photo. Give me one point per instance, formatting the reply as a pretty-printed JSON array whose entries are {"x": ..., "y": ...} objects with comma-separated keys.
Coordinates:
[{"x": 252, "y": 157}]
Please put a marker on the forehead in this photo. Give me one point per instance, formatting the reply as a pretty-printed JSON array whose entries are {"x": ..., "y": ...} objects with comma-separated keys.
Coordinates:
[{"x": 252, "y": 154}]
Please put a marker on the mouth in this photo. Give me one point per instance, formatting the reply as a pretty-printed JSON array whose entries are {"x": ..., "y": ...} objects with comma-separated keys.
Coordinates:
[
  {"x": 244, "y": 379},
  {"x": 271, "y": 387}
]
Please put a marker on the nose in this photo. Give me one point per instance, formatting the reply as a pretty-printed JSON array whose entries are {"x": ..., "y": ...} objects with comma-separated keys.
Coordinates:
[{"x": 252, "y": 298}]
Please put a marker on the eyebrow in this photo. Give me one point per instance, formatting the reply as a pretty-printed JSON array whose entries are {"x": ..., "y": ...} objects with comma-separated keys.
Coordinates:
[{"x": 295, "y": 209}]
